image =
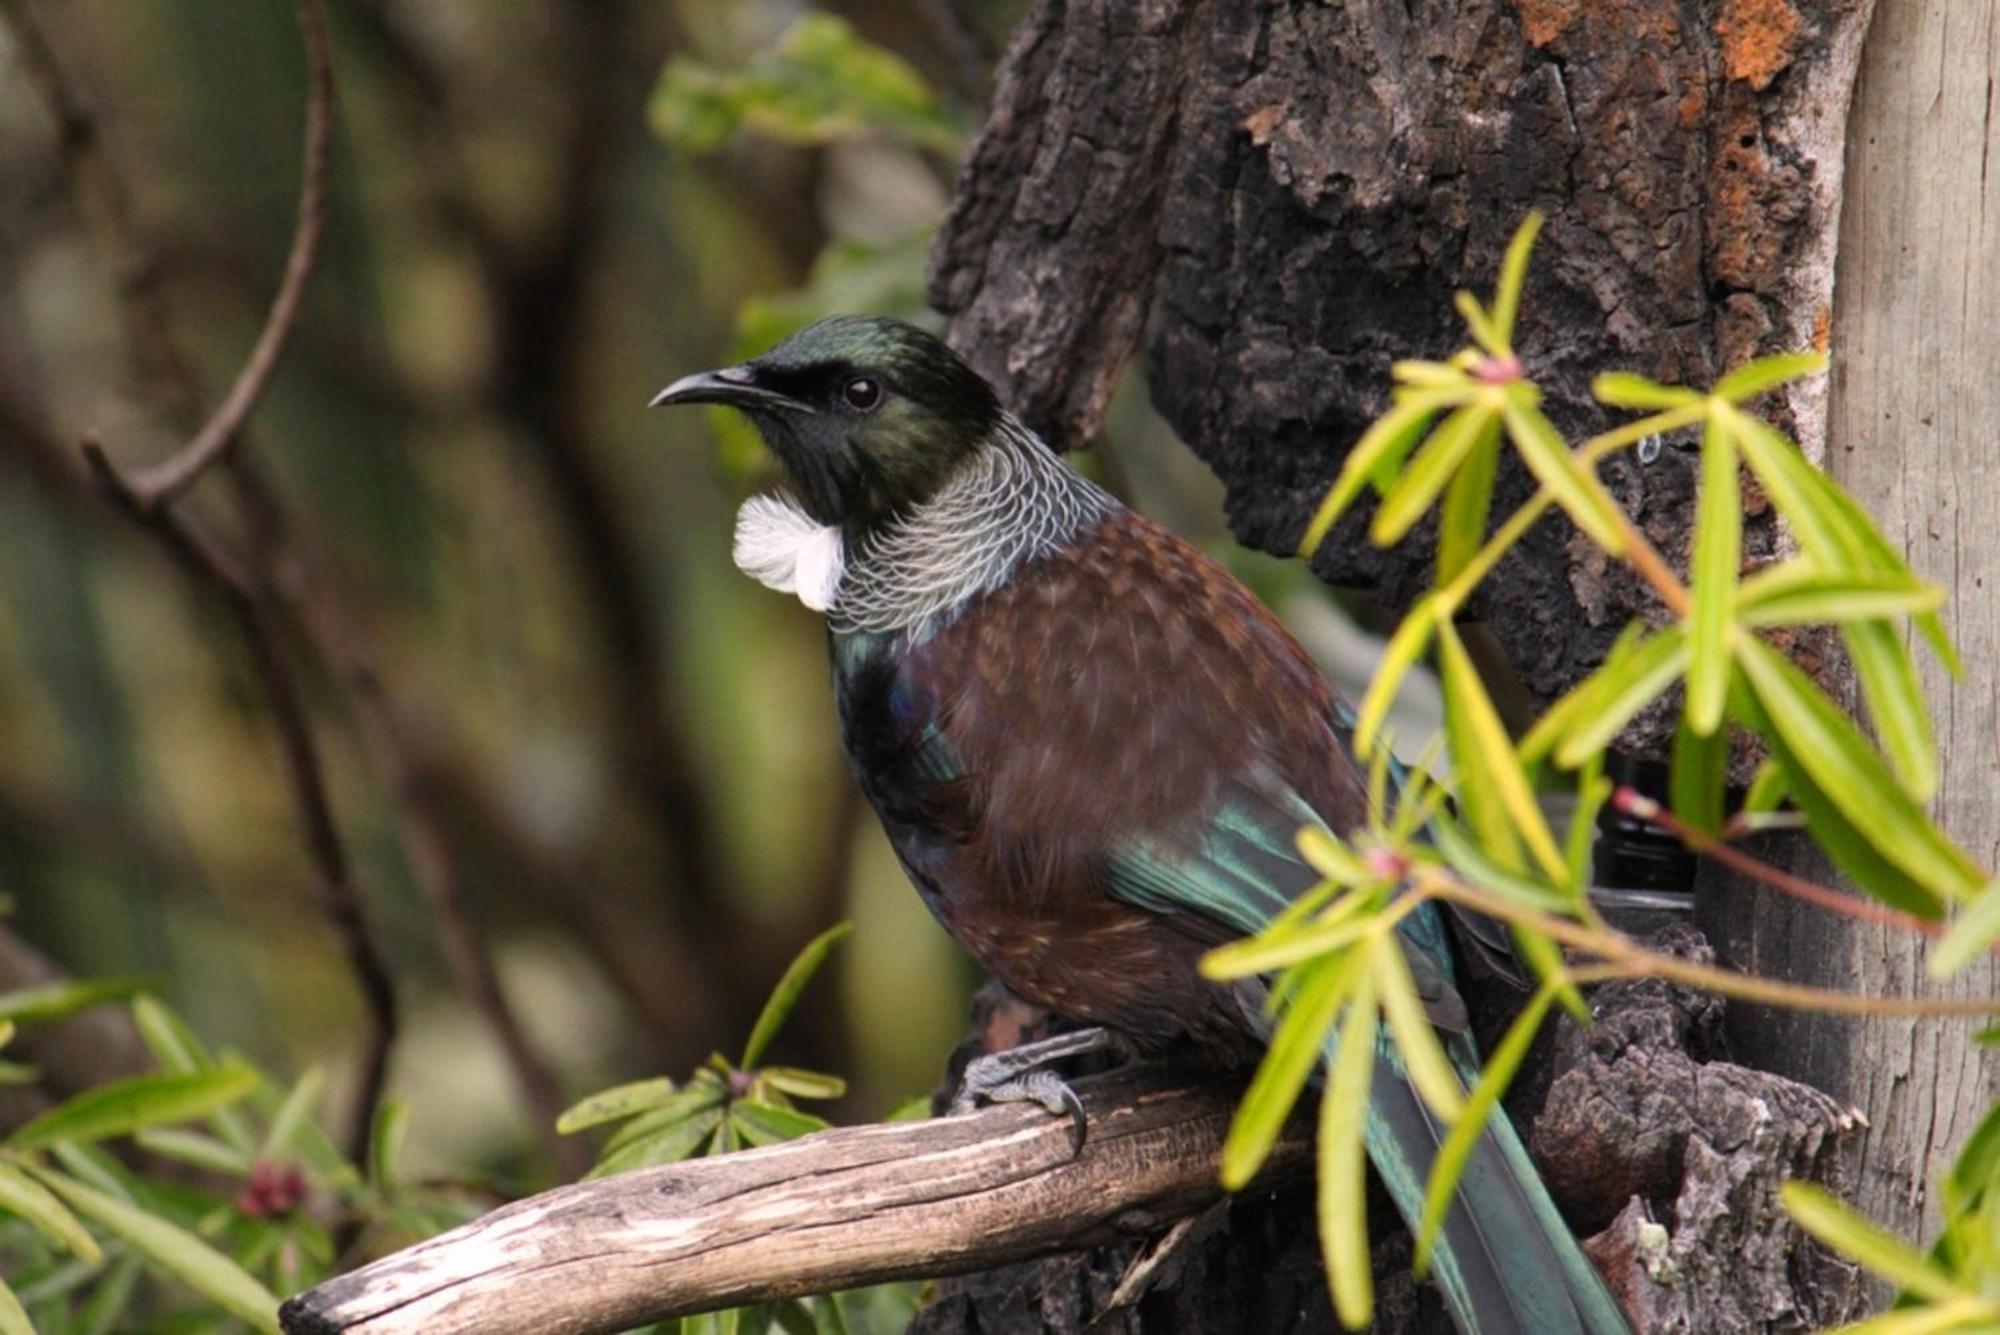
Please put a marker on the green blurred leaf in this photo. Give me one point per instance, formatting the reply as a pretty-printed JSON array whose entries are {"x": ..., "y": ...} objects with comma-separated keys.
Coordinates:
[
  {"x": 1381, "y": 447},
  {"x": 1493, "y": 751},
  {"x": 703, "y": 1092},
  {"x": 1423, "y": 1056},
  {"x": 1580, "y": 843},
  {"x": 1268, "y": 953},
  {"x": 679, "y": 1141},
  {"x": 1514, "y": 276},
  {"x": 1434, "y": 464},
  {"x": 1895, "y": 699},
  {"x": 1698, "y": 777},
  {"x": 19, "y": 1073},
  {"x": 1851, "y": 851},
  {"x": 1580, "y": 495},
  {"x": 1798, "y": 593},
  {"x": 1467, "y": 504},
  {"x": 1613, "y": 695},
  {"x": 1343, "y": 1160},
  {"x": 1718, "y": 555},
  {"x": 1449, "y": 1165},
  {"x": 293, "y": 1113},
  {"x": 1288, "y": 1060},
  {"x": 767, "y": 1124},
  {"x": 123, "y": 1106},
  {"x": 1472, "y": 864},
  {"x": 1329, "y": 855},
  {"x": 13, "y": 1317},
  {"x": 1622, "y": 389},
  {"x": 804, "y": 1084},
  {"x": 1827, "y": 1218},
  {"x": 1977, "y": 1163},
  {"x": 168, "y": 1037},
  {"x": 821, "y": 83},
  {"x": 174, "y": 1251},
  {"x": 611, "y": 1105},
  {"x": 1477, "y": 322},
  {"x": 1767, "y": 373},
  {"x": 386, "y": 1135},
  {"x": 1767, "y": 789},
  {"x": 1972, "y": 933},
  {"x": 25, "y": 1198},
  {"x": 1399, "y": 655},
  {"x": 1560, "y": 717},
  {"x": 192, "y": 1147},
  {"x": 59, "y": 1001},
  {"x": 1820, "y": 738},
  {"x": 786, "y": 994}
]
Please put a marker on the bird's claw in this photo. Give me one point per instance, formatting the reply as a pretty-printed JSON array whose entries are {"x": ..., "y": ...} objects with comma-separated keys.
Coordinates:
[{"x": 1020, "y": 1075}]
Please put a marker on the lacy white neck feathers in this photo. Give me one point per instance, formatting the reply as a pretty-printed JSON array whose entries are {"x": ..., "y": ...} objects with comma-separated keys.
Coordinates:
[{"x": 1011, "y": 502}]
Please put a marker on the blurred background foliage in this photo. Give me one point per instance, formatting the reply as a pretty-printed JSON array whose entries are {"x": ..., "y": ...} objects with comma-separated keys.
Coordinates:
[{"x": 541, "y": 213}]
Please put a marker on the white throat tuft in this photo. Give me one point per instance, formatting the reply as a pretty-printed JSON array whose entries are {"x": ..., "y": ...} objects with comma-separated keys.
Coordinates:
[{"x": 782, "y": 547}]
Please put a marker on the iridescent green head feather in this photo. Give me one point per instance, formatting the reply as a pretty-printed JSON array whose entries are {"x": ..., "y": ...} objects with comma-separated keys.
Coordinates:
[{"x": 868, "y": 416}]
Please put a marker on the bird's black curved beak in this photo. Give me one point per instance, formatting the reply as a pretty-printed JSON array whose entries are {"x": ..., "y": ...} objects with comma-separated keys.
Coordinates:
[{"x": 737, "y": 386}]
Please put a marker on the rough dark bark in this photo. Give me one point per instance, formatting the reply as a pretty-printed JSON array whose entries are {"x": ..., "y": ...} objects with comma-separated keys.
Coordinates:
[{"x": 1293, "y": 193}]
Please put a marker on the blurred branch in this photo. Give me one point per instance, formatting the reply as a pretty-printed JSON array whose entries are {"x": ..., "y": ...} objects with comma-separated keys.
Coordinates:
[
  {"x": 209, "y": 566},
  {"x": 939, "y": 1197},
  {"x": 167, "y": 479},
  {"x": 254, "y": 595}
]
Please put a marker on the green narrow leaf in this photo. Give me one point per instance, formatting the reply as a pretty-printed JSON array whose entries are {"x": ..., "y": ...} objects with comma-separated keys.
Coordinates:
[
  {"x": 1827, "y": 1218},
  {"x": 611, "y": 1105},
  {"x": 1381, "y": 448},
  {"x": 13, "y": 1317},
  {"x": 1405, "y": 647},
  {"x": 1832, "y": 752},
  {"x": 1622, "y": 389},
  {"x": 59, "y": 1001},
  {"x": 174, "y": 1252},
  {"x": 697, "y": 1096},
  {"x": 1514, "y": 276},
  {"x": 386, "y": 1135},
  {"x": 1265, "y": 953},
  {"x": 1592, "y": 791},
  {"x": 1472, "y": 863},
  {"x": 762, "y": 1123},
  {"x": 1480, "y": 325},
  {"x": 1343, "y": 1160},
  {"x": 1615, "y": 693},
  {"x": 293, "y": 1113},
  {"x": 1718, "y": 556},
  {"x": 1423, "y": 1056},
  {"x": 1972, "y": 1172},
  {"x": 1326, "y": 853},
  {"x": 1972, "y": 933},
  {"x": 1796, "y": 593},
  {"x": 786, "y": 994},
  {"x": 192, "y": 1147},
  {"x": 1545, "y": 961},
  {"x": 1767, "y": 789},
  {"x": 683, "y": 1140},
  {"x": 1449, "y": 1165},
  {"x": 1767, "y": 373},
  {"x": 1494, "y": 754},
  {"x": 1561, "y": 716},
  {"x": 25, "y": 1198},
  {"x": 167, "y": 1037},
  {"x": 109, "y": 1304},
  {"x": 1433, "y": 466},
  {"x": 1580, "y": 495},
  {"x": 805, "y": 1084},
  {"x": 1293, "y": 1051},
  {"x": 1698, "y": 778},
  {"x": 1467, "y": 503},
  {"x": 1851, "y": 851},
  {"x": 1895, "y": 699},
  {"x": 126, "y": 1105}
]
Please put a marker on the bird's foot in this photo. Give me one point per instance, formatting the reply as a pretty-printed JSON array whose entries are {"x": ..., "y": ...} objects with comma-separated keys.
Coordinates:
[{"x": 1019, "y": 1075}]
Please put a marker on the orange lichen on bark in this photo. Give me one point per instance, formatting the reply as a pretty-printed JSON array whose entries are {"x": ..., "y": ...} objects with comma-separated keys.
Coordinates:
[
  {"x": 1542, "y": 21},
  {"x": 1758, "y": 37}
]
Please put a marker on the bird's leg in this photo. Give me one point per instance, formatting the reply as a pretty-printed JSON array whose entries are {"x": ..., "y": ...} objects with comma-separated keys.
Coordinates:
[{"x": 1018, "y": 1075}]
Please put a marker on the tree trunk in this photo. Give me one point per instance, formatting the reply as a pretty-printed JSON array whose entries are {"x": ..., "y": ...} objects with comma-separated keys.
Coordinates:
[
  {"x": 1275, "y": 200},
  {"x": 1913, "y": 428}
]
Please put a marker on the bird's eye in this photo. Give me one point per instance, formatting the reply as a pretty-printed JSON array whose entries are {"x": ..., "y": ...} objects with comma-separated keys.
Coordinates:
[{"x": 862, "y": 394}]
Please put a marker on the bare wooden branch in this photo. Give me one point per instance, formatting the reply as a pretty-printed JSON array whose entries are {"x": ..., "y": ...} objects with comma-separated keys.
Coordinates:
[
  {"x": 161, "y": 483},
  {"x": 851, "y": 1206}
]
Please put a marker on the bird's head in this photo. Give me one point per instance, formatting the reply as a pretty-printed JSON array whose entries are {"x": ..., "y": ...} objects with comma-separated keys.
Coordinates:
[{"x": 867, "y": 416}]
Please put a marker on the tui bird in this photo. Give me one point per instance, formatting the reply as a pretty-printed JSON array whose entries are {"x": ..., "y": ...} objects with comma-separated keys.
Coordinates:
[{"x": 1092, "y": 749}]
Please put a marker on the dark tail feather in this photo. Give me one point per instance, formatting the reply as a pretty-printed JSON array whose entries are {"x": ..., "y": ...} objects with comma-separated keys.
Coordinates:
[{"x": 1505, "y": 1261}]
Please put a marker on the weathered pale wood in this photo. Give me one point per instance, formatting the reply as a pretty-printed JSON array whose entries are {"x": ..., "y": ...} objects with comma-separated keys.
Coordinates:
[
  {"x": 845, "y": 1207},
  {"x": 1915, "y": 434}
]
